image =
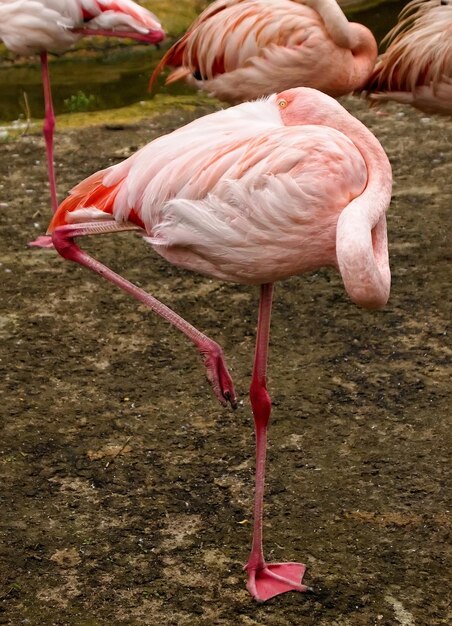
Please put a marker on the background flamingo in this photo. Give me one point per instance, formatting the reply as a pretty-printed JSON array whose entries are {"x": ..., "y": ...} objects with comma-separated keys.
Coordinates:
[
  {"x": 260, "y": 192},
  {"x": 41, "y": 26},
  {"x": 416, "y": 68},
  {"x": 243, "y": 49}
]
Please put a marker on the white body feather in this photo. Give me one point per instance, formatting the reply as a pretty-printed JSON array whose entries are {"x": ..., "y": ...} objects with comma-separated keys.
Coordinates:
[{"x": 31, "y": 26}]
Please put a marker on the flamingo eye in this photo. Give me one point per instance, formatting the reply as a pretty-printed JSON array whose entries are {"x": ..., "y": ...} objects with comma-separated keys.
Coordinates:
[{"x": 282, "y": 103}]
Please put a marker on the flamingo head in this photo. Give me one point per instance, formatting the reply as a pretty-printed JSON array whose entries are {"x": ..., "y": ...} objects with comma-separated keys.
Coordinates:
[
  {"x": 303, "y": 105},
  {"x": 361, "y": 239}
]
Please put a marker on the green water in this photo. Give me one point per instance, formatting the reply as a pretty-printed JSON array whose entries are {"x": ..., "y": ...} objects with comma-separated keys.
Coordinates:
[{"x": 116, "y": 78}]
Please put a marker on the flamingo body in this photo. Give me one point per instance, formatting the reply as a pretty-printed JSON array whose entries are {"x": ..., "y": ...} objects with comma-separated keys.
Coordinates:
[
  {"x": 416, "y": 68},
  {"x": 254, "y": 194},
  {"x": 42, "y": 26},
  {"x": 32, "y": 26},
  {"x": 243, "y": 49},
  {"x": 297, "y": 181}
]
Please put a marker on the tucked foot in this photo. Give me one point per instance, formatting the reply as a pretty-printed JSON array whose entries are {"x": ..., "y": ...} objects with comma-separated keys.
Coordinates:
[
  {"x": 43, "y": 241},
  {"x": 275, "y": 578},
  {"x": 218, "y": 375}
]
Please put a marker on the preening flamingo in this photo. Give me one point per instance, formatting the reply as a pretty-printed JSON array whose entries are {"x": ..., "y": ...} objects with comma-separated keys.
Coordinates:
[
  {"x": 253, "y": 194},
  {"x": 239, "y": 50},
  {"x": 416, "y": 68},
  {"x": 40, "y": 26}
]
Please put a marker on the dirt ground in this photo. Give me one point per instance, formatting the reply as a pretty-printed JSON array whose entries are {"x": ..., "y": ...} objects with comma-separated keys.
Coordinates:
[{"x": 126, "y": 490}]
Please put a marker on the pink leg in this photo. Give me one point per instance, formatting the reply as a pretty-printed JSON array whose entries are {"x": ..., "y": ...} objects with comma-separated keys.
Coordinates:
[
  {"x": 49, "y": 126},
  {"x": 212, "y": 354},
  {"x": 43, "y": 241},
  {"x": 265, "y": 580}
]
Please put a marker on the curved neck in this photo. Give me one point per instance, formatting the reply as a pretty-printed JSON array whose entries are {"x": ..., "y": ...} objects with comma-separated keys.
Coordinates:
[
  {"x": 365, "y": 52},
  {"x": 379, "y": 181},
  {"x": 336, "y": 23},
  {"x": 363, "y": 41},
  {"x": 361, "y": 239},
  {"x": 351, "y": 36}
]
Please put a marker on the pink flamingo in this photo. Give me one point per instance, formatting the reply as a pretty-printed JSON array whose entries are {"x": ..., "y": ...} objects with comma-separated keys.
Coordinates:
[
  {"x": 42, "y": 26},
  {"x": 253, "y": 194},
  {"x": 239, "y": 50},
  {"x": 416, "y": 68}
]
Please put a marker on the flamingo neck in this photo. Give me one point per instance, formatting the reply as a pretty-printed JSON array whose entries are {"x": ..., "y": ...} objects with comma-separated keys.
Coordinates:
[
  {"x": 361, "y": 237},
  {"x": 377, "y": 193},
  {"x": 365, "y": 52},
  {"x": 336, "y": 24},
  {"x": 361, "y": 240},
  {"x": 351, "y": 36}
]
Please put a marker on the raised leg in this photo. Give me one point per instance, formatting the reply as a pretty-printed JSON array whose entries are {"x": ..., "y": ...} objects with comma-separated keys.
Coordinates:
[
  {"x": 44, "y": 241},
  {"x": 212, "y": 354},
  {"x": 265, "y": 580}
]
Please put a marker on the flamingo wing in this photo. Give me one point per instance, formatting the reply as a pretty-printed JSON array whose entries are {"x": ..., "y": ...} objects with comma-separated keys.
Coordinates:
[
  {"x": 276, "y": 203},
  {"x": 120, "y": 188}
]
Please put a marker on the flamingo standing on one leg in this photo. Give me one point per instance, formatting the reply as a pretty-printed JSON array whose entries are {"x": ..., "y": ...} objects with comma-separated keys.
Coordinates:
[
  {"x": 416, "y": 68},
  {"x": 243, "y": 49},
  {"x": 253, "y": 194},
  {"x": 42, "y": 26}
]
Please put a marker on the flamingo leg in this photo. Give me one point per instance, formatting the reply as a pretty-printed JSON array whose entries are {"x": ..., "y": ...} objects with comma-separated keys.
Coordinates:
[
  {"x": 212, "y": 354},
  {"x": 265, "y": 580},
  {"x": 44, "y": 241},
  {"x": 48, "y": 129}
]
